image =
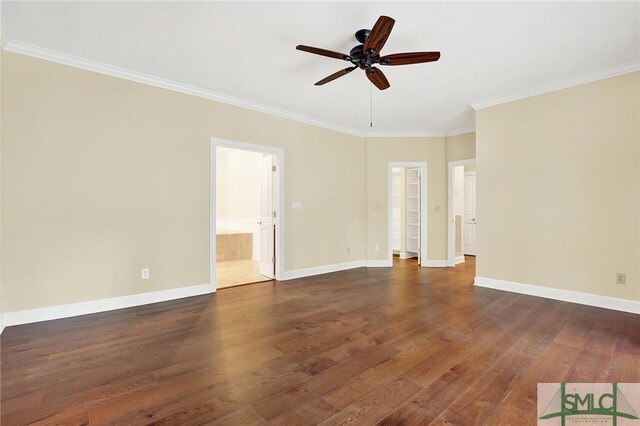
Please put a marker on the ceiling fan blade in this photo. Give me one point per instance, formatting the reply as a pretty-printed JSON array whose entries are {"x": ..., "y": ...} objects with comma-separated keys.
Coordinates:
[
  {"x": 323, "y": 52},
  {"x": 335, "y": 75},
  {"x": 379, "y": 34},
  {"x": 409, "y": 58},
  {"x": 377, "y": 78}
]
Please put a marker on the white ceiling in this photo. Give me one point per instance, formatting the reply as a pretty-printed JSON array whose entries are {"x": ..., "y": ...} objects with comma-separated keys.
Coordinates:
[{"x": 247, "y": 50}]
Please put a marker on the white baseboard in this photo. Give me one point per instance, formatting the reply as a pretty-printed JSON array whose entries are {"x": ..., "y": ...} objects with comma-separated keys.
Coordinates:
[
  {"x": 405, "y": 255},
  {"x": 325, "y": 269},
  {"x": 101, "y": 305},
  {"x": 379, "y": 263},
  {"x": 459, "y": 259},
  {"x": 435, "y": 264},
  {"x": 606, "y": 302}
]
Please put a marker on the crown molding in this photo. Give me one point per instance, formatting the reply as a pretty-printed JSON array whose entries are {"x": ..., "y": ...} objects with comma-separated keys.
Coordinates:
[
  {"x": 419, "y": 134},
  {"x": 102, "y": 68},
  {"x": 461, "y": 131},
  {"x": 34, "y": 51},
  {"x": 405, "y": 134},
  {"x": 558, "y": 85}
]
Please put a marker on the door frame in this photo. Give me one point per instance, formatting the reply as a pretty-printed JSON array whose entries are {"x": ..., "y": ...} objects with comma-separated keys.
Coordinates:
[
  {"x": 451, "y": 230},
  {"x": 423, "y": 209},
  {"x": 466, "y": 174},
  {"x": 278, "y": 192}
]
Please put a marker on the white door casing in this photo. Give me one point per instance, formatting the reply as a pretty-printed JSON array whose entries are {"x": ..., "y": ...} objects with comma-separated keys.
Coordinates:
[
  {"x": 267, "y": 218},
  {"x": 277, "y": 154},
  {"x": 422, "y": 200},
  {"x": 397, "y": 209},
  {"x": 469, "y": 231},
  {"x": 452, "y": 259},
  {"x": 419, "y": 181},
  {"x": 413, "y": 212}
]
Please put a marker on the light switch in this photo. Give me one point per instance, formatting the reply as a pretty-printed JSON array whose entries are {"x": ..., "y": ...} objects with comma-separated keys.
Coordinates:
[{"x": 296, "y": 205}]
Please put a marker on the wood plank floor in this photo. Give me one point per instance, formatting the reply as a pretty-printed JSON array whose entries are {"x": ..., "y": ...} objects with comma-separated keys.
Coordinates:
[{"x": 366, "y": 346}]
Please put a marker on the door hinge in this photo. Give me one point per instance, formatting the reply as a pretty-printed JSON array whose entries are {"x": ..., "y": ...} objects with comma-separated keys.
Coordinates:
[
  {"x": 274, "y": 214},
  {"x": 273, "y": 260},
  {"x": 273, "y": 168}
]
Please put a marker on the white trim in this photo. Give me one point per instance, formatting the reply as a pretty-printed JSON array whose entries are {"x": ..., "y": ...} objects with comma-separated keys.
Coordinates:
[
  {"x": 451, "y": 220},
  {"x": 101, "y": 305},
  {"x": 606, "y": 302},
  {"x": 419, "y": 133},
  {"x": 423, "y": 207},
  {"x": 557, "y": 85},
  {"x": 459, "y": 259},
  {"x": 325, "y": 269},
  {"x": 436, "y": 264},
  {"x": 404, "y": 255},
  {"x": 405, "y": 134},
  {"x": 34, "y": 51},
  {"x": 379, "y": 263},
  {"x": 278, "y": 154},
  {"x": 102, "y": 68},
  {"x": 461, "y": 131}
]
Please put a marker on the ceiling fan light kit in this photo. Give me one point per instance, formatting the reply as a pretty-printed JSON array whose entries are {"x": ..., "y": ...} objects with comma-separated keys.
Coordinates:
[{"x": 367, "y": 54}]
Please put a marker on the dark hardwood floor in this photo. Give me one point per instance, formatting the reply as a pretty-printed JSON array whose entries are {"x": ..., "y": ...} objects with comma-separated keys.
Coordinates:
[{"x": 365, "y": 346}]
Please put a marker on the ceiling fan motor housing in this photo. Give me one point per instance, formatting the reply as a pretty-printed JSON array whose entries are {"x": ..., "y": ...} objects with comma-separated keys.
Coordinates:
[{"x": 361, "y": 59}]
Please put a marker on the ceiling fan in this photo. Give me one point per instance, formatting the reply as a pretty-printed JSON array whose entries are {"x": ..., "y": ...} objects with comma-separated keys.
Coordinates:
[{"x": 367, "y": 54}]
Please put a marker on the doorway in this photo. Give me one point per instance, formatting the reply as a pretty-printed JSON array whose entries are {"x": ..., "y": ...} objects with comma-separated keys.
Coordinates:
[
  {"x": 462, "y": 219},
  {"x": 246, "y": 236},
  {"x": 468, "y": 236},
  {"x": 407, "y": 214}
]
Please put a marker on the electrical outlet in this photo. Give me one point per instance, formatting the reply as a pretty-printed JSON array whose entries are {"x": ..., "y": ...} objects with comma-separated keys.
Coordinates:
[
  {"x": 145, "y": 274},
  {"x": 377, "y": 247},
  {"x": 620, "y": 278},
  {"x": 348, "y": 250}
]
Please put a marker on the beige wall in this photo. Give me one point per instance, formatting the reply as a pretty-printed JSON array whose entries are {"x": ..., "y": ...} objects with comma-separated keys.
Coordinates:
[
  {"x": 461, "y": 147},
  {"x": 238, "y": 184},
  {"x": 558, "y": 190},
  {"x": 382, "y": 151},
  {"x": 103, "y": 176},
  {"x": 1, "y": 271}
]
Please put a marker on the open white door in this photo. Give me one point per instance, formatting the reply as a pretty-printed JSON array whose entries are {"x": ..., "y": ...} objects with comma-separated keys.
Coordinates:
[
  {"x": 267, "y": 218},
  {"x": 469, "y": 232}
]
